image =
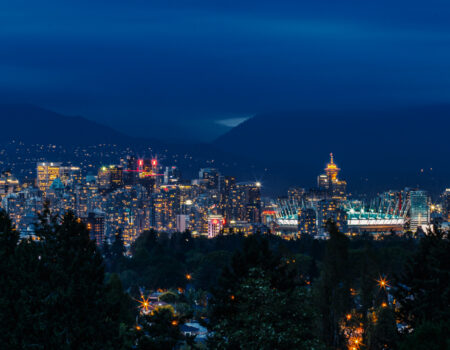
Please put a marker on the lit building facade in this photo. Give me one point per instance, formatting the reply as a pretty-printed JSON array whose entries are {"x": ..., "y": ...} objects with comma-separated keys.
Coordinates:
[
  {"x": 95, "y": 223},
  {"x": 446, "y": 204},
  {"x": 330, "y": 181},
  {"x": 215, "y": 225},
  {"x": 419, "y": 211},
  {"x": 307, "y": 221},
  {"x": 46, "y": 174}
]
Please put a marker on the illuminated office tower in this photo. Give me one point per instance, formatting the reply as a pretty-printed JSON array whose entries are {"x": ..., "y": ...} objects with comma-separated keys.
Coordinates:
[
  {"x": 172, "y": 175},
  {"x": 215, "y": 225},
  {"x": 228, "y": 186},
  {"x": 166, "y": 205},
  {"x": 110, "y": 178},
  {"x": 46, "y": 174},
  {"x": 419, "y": 210},
  {"x": 296, "y": 194},
  {"x": 446, "y": 204},
  {"x": 182, "y": 222},
  {"x": 212, "y": 177},
  {"x": 8, "y": 184},
  {"x": 246, "y": 202},
  {"x": 84, "y": 195},
  {"x": 95, "y": 223},
  {"x": 131, "y": 175},
  {"x": 70, "y": 175},
  {"x": 307, "y": 221},
  {"x": 330, "y": 209}
]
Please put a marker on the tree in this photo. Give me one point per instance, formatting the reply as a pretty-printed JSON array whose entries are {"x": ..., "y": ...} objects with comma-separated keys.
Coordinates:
[
  {"x": 11, "y": 280},
  {"x": 333, "y": 288},
  {"x": 116, "y": 251},
  {"x": 428, "y": 336},
  {"x": 260, "y": 304},
  {"x": 266, "y": 317},
  {"x": 423, "y": 290},
  {"x": 159, "y": 330},
  {"x": 73, "y": 300},
  {"x": 56, "y": 291},
  {"x": 423, "y": 293},
  {"x": 382, "y": 331}
]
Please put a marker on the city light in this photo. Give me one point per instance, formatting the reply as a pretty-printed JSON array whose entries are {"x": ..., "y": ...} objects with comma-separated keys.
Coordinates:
[
  {"x": 144, "y": 304},
  {"x": 383, "y": 283}
]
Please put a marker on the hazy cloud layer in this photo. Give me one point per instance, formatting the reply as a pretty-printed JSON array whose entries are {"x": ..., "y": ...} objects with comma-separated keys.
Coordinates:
[{"x": 190, "y": 63}]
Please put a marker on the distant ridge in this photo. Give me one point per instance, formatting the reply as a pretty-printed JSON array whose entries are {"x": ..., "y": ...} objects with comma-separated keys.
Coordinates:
[
  {"x": 374, "y": 148},
  {"x": 33, "y": 124}
]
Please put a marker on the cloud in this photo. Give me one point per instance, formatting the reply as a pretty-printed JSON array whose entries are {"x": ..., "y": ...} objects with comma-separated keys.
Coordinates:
[{"x": 232, "y": 122}]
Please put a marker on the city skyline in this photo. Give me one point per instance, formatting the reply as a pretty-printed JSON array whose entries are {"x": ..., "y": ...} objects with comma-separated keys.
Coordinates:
[
  {"x": 138, "y": 194},
  {"x": 235, "y": 175}
]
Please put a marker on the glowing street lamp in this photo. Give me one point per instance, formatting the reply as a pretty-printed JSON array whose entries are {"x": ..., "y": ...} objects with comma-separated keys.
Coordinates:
[
  {"x": 383, "y": 283},
  {"x": 144, "y": 304}
]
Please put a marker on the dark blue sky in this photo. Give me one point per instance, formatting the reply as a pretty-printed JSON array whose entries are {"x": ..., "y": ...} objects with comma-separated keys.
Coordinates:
[{"x": 190, "y": 69}]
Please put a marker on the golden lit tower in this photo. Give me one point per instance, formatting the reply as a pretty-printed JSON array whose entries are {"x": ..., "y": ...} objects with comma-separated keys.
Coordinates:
[
  {"x": 330, "y": 181},
  {"x": 332, "y": 170}
]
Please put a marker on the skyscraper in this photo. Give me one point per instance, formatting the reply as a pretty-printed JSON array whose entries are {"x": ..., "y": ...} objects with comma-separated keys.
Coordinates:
[
  {"x": 110, "y": 178},
  {"x": 307, "y": 221},
  {"x": 446, "y": 204},
  {"x": 246, "y": 198},
  {"x": 95, "y": 223},
  {"x": 330, "y": 181},
  {"x": 211, "y": 176},
  {"x": 419, "y": 212},
  {"x": 46, "y": 174}
]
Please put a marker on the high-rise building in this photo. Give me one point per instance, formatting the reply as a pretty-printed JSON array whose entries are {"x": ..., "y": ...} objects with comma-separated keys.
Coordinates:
[
  {"x": 419, "y": 210},
  {"x": 307, "y": 221},
  {"x": 8, "y": 183},
  {"x": 330, "y": 181},
  {"x": 70, "y": 175},
  {"x": 211, "y": 176},
  {"x": 228, "y": 185},
  {"x": 296, "y": 194},
  {"x": 330, "y": 209},
  {"x": 172, "y": 175},
  {"x": 215, "y": 225},
  {"x": 446, "y": 204},
  {"x": 110, "y": 178},
  {"x": 95, "y": 223},
  {"x": 246, "y": 202},
  {"x": 46, "y": 174},
  {"x": 182, "y": 222}
]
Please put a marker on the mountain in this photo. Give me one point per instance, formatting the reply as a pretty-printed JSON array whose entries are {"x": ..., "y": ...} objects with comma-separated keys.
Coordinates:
[
  {"x": 34, "y": 125},
  {"x": 37, "y": 125},
  {"x": 375, "y": 149}
]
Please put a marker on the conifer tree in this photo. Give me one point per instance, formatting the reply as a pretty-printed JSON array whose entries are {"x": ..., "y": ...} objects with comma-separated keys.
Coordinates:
[{"x": 333, "y": 288}]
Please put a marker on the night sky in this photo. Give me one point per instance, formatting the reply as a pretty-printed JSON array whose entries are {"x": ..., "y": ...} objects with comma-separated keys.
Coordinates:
[{"x": 193, "y": 69}]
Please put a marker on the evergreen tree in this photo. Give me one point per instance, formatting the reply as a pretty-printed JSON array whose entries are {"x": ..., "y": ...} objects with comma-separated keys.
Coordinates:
[
  {"x": 117, "y": 251},
  {"x": 159, "y": 330},
  {"x": 53, "y": 296},
  {"x": 423, "y": 292},
  {"x": 11, "y": 280},
  {"x": 73, "y": 301},
  {"x": 382, "y": 331},
  {"x": 333, "y": 288},
  {"x": 259, "y": 303},
  {"x": 428, "y": 336}
]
